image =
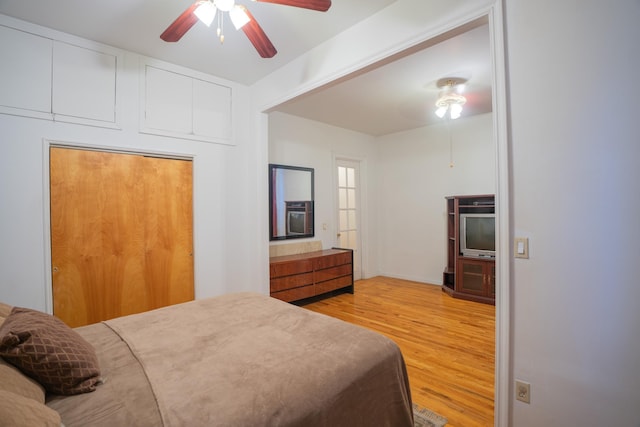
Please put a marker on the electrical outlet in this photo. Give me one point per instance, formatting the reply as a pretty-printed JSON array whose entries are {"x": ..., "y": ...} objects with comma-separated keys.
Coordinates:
[{"x": 523, "y": 391}]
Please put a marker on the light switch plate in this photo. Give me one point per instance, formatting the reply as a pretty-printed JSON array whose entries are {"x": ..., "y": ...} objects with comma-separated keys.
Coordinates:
[
  {"x": 523, "y": 391},
  {"x": 521, "y": 247}
]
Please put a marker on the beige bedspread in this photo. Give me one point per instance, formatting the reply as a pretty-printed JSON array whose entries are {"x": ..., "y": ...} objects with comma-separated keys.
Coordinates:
[
  {"x": 124, "y": 399},
  {"x": 249, "y": 360}
]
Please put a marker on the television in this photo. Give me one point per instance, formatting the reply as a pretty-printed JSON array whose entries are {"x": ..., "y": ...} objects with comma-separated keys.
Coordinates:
[
  {"x": 296, "y": 222},
  {"x": 478, "y": 235}
]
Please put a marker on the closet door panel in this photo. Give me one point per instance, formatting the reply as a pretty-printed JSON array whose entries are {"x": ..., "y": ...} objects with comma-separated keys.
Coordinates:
[
  {"x": 98, "y": 270},
  {"x": 168, "y": 230},
  {"x": 121, "y": 236}
]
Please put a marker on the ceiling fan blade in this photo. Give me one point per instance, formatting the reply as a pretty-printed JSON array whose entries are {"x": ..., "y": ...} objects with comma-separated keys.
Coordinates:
[
  {"x": 320, "y": 5},
  {"x": 181, "y": 25},
  {"x": 257, "y": 37}
]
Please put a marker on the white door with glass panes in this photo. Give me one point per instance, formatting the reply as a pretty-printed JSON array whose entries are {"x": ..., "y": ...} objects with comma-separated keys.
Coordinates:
[{"x": 348, "y": 236}]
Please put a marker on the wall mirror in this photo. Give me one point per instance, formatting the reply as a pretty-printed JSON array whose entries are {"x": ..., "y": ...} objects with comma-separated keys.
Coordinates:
[{"x": 290, "y": 202}]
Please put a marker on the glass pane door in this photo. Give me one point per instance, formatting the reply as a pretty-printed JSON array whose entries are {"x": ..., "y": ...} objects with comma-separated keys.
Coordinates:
[{"x": 348, "y": 235}]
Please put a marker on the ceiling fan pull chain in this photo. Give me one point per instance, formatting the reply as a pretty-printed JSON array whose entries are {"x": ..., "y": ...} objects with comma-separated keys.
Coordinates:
[
  {"x": 451, "y": 164},
  {"x": 220, "y": 28}
]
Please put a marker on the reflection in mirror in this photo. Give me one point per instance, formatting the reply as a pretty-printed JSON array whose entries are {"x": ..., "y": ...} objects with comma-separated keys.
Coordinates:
[{"x": 290, "y": 202}]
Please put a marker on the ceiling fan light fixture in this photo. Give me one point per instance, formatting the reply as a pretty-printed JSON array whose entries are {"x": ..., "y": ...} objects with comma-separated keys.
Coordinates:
[
  {"x": 224, "y": 5},
  {"x": 239, "y": 16},
  {"x": 206, "y": 12},
  {"x": 450, "y": 100},
  {"x": 455, "y": 110}
]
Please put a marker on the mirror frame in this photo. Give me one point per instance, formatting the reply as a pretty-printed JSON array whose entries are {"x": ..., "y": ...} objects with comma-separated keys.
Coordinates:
[{"x": 273, "y": 214}]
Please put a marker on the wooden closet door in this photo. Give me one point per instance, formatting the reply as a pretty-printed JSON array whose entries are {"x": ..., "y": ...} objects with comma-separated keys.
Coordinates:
[
  {"x": 121, "y": 234},
  {"x": 168, "y": 231}
]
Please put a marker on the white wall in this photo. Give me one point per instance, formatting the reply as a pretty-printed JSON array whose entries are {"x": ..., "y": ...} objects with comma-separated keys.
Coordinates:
[
  {"x": 414, "y": 177},
  {"x": 576, "y": 322},
  {"x": 226, "y": 196},
  {"x": 300, "y": 142}
]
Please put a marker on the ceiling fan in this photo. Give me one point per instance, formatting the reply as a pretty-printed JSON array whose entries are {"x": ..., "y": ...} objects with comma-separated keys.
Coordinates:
[{"x": 205, "y": 11}]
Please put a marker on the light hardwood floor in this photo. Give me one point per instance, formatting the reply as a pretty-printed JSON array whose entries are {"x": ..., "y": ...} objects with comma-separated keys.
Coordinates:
[{"x": 447, "y": 343}]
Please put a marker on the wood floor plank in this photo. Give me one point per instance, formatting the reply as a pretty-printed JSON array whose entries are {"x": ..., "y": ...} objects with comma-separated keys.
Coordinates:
[{"x": 447, "y": 343}]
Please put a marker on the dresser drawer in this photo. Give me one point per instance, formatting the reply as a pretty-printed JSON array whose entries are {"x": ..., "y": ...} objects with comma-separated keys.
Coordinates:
[
  {"x": 295, "y": 294},
  {"x": 289, "y": 282},
  {"x": 331, "y": 273},
  {"x": 289, "y": 268},
  {"x": 332, "y": 285},
  {"x": 332, "y": 260}
]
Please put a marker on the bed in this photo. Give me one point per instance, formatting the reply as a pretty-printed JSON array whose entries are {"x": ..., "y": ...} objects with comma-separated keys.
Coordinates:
[{"x": 241, "y": 359}]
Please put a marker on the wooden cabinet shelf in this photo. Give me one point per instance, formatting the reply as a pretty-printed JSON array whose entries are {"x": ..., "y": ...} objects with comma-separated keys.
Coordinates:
[
  {"x": 471, "y": 278},
  {"x": 301, "y": 276}
]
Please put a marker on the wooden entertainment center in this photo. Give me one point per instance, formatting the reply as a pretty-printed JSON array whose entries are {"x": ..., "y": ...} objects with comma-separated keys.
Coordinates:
[
  {"x": 466, "y": 277},
  {"x": 306, "y": 275}
]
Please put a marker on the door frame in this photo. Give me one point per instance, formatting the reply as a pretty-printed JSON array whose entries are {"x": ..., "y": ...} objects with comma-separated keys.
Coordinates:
[
  {"x": 46, "y": 194},
  {"x": 493, "y": 11},
  {"x": 503, "y": 389}
]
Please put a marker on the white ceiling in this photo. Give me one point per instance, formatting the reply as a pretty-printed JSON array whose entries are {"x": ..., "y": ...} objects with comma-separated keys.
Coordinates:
[
  {"x": 400, "y": 94},
  {"x": 387, "y": 98}
]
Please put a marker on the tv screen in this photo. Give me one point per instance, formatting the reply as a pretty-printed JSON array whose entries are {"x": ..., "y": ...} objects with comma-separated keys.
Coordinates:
[
  {"x": 478, "y": 233},
  {"x": 296, "y": 223}
]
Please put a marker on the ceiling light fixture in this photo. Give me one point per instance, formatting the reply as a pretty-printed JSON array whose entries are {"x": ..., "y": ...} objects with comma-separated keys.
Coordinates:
[
  {"x": 206, "y": 12},
  {"x": 450, "y": 99}
]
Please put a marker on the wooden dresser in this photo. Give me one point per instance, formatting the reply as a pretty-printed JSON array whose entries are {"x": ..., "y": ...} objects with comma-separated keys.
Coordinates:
[{"x": 300, "y": 276}]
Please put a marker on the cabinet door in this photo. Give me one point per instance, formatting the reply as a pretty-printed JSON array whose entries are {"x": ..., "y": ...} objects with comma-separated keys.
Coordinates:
[
  {"x": 26, "y": 72},
  {"x": 84, "y": 83},
  {"x": 472, "y": 278},
  {"x": 168, "y": 101},
  {"x": 176, "y": 104},
  {"x": 476, "y": 277},
  {"x": 211, "y": 110}
]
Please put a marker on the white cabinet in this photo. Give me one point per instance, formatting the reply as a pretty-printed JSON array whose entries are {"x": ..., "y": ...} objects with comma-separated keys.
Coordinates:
[
  {"x": 49, "y": 75},
  {"x": 211, "y": 110},
  {"x": 54, "y": 80},
  {"x": 183, "y": 105},
  {"x": 25, "y": 73},
  {"x": 167, "y": 101},
  {"x": 84, "y": 83}
]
